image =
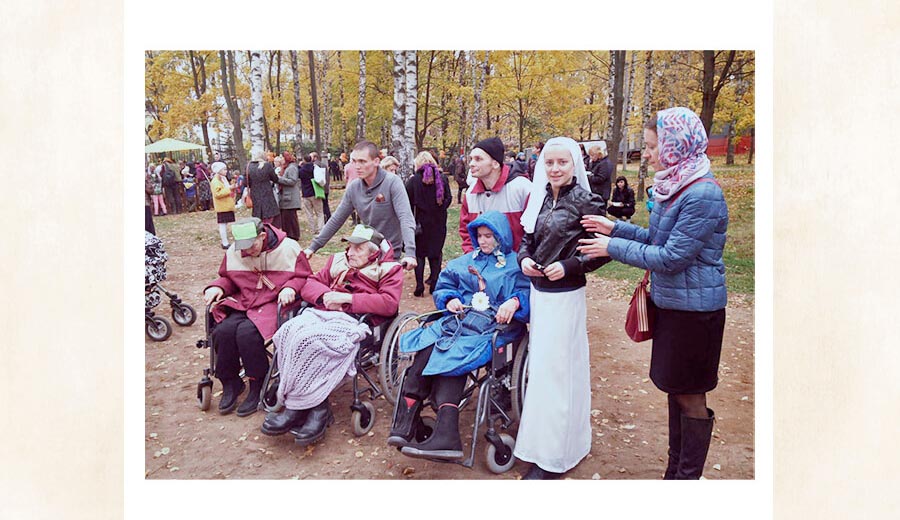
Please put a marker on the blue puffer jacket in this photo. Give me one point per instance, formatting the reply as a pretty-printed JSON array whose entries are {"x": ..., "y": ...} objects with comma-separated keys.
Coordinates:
[{"x": 683, "y": 249}]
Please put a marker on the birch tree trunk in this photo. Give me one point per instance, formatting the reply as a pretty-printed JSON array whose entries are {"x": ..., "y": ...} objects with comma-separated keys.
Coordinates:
[
  {"x": 315, "y": 99},
  {"x": 342, "y": 141},
  {"x": 398, "y": 113},
  {"x": 295, "y": 73},
  {"x": 610, "y": 99},
  {"x": 411, "y": 72},
  {"x": 479, "y": 90},
  {"x": 234, "y": 111},
  {"x": 629, "y": 80},
  {"x": 645, "y": 116},
  {"x": 462, "y": 62},
  {"x": 361, "y": 111},
  {"x": 257, "y": 143},
  {"x": 326, "y": 86}
]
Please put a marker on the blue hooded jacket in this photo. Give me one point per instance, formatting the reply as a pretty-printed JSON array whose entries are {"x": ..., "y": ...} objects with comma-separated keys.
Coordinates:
[{"x": 464, "y": 345}]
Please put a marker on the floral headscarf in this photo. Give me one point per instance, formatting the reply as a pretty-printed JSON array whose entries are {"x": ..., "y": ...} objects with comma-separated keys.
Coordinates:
[{"x": 682, "y": 151}]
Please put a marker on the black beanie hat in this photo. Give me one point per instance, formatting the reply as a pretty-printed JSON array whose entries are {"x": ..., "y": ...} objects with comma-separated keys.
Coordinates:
[{"x": 494, "y": 147}]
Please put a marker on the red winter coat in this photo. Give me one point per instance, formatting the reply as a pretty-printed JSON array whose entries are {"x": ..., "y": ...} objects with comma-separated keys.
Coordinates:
[
  {"x": 376, "y": 288},
  {"x": 252, "y": 284}
]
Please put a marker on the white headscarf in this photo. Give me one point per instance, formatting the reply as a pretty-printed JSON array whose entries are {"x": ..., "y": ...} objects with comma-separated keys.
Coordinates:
[{"x": 539, "y": 183}]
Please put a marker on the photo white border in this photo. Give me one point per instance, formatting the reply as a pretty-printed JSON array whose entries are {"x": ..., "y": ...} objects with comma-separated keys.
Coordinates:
[{"x": 168, "y": 24}]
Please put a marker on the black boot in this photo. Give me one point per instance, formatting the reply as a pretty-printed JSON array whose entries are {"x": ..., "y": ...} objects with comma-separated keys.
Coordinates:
[
  {"x": 695, "y": 437},
  {"x": 231, "y": 390},
  {"x": 279, "y": 423},
  {"x": 444, "y": 443},
  {"x": 406, "y": 419},
  {"x": 251, "y": 402},
  {"x": 314, "y": 427},
  {"x": 536, "y": 473},
  {"x": 674, "y": 438}
]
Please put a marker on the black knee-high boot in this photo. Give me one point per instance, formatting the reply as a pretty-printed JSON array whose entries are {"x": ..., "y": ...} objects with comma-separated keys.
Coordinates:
[
  {"x": 444, "y": 443},
  {"x": 674, "y": 438},
  {"x": 695, "y": 437}
]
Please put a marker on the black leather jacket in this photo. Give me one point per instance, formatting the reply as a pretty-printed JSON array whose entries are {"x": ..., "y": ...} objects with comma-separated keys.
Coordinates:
[{"x": 556, "y": 234}]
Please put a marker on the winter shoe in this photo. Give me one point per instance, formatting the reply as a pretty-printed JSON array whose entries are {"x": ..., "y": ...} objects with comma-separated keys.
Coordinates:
[
  {"x": 536, "y": 473},
  {"x": 251, "y": 402},
  {"x": 695, "y": 437},
  {"x": 231, "y": 390},
  {"x": 279, "y": 423},
  {"x": 444, "y": 443},
  {"x": 674, "y": 438},
  {"x": 406, "y": 418},
  {"x": 313, "y": 429}
]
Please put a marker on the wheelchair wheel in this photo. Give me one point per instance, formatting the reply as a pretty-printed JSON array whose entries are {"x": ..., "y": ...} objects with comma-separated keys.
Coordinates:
[
  {"x": 502, "y": 460},
  {"x": 184, "y": 315},
  {"x": 519, "y": 379},
  {"x": 158, "y": 328},
  {"x": 205, "y": 398},
  {"x": 392, "y": 364},
  {"x": 362, "y": 424}
]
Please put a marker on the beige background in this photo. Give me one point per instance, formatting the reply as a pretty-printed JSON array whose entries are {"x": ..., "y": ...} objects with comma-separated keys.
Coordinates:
[{"x": 837, "y": 396}]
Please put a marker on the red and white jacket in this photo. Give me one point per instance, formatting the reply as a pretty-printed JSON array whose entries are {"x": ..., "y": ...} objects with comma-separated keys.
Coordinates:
[
  {"x": 507, "y": 196},
  {"x": 251, "y": 284}
]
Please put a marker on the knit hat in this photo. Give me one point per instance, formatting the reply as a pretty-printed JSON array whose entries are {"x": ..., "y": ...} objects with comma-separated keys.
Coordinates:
[
  {"x": 493, "y": 146},
  {"x": 217, "y": 167}
]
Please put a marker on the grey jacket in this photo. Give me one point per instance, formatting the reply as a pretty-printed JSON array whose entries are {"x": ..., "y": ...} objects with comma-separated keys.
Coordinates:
[
  {"x": 290, "y": 188},
  {"x": 384, "y": 205}
]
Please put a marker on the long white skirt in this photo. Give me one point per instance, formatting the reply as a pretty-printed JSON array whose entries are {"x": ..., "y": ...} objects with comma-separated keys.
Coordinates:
[{"x": 555, "y": 430}]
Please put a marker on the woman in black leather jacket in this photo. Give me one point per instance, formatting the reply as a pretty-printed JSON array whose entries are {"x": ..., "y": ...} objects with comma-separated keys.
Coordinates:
[{"x": 555, "y": 430}]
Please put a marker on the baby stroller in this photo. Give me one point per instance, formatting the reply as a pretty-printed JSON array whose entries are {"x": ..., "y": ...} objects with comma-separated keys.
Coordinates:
[{"x": 157, "y": 327}]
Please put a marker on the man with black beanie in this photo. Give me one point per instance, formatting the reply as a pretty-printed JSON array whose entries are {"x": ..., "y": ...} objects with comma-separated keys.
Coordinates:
[{"x": 493, "y": 189}]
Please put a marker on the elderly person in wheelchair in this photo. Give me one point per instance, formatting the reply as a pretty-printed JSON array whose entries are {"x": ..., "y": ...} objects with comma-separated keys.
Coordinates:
[
  {"x": 262, "y": 269},
  {"x": 316, "y": 349},
  {"x": 478, "y": 290}
]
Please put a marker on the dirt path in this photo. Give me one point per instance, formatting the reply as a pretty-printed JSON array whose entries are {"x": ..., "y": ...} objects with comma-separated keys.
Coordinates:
[{"x": 629, "y": 413}]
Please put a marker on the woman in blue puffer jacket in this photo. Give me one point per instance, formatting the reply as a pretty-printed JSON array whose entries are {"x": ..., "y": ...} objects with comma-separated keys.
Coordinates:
[{"x": 683, "y": 251}]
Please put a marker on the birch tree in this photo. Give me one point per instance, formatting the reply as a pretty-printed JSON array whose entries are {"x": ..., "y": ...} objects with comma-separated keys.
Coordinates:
[
  {"x": 398, "y": 113},
  {"x": 226, "y": 63},
  {"x": 257, "y": 144},
  {"x": 411, "y": 86},
  {"x": 340, "y": 63},
  {"x": 479, "y": 90},
  {"x": 315, "y": 100},
  {"x": 645, "y": 116},
  {"x": 198, "y": 61},
  {"x": 617, "y": 73},
  {"x": 326, "y": 88},
  {"x": 295, "y": 73},
  {"x": 626, "y": 112},
  {"x": 361, "y": 111}
]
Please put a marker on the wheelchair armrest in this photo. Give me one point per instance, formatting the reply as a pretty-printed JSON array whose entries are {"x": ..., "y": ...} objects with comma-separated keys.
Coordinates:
[{"x": 287, "y": 312}]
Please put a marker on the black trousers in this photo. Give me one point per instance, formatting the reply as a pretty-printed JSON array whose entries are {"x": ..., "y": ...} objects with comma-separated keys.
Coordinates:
[
  {"x": 238, "y": 340},
  {"x": 447, "y": 389},
  {"x": 620, "y": 212},
  {"x": 434, "y": 266},
  {"x": 290, "y": 224}
]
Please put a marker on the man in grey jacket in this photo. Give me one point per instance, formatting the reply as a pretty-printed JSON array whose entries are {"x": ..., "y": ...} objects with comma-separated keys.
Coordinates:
[{"x": 380, "y": 200}]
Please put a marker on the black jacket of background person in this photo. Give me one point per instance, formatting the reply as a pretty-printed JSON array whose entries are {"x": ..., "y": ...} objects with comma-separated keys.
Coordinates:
[
  {"x": 556, "y": 234},
  {"x": 601, "y": 177},
  {"x": 306, "y": 177},
  {"x": 626, "y": 198}
]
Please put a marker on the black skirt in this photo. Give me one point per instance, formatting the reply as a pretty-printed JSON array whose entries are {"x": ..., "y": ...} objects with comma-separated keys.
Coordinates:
[
  {"x": 225, "y": 217},
  {"x": 686, "y": 350}
]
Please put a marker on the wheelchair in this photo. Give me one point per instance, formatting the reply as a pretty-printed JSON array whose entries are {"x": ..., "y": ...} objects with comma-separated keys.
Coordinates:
[
  {"x": 157, "y": 327},
  {"x": 500, "y": 384},
  {"x": 382, "y": 344}
]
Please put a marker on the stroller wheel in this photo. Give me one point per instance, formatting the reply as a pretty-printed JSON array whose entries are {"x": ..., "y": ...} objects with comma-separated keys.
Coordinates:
[
  {"x": 158, "y": 328},
  {"x": 184, "y": 314}
]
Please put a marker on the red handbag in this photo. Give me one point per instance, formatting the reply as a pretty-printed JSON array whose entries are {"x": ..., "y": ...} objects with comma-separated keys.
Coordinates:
[{"x": 639, "y": 319}]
